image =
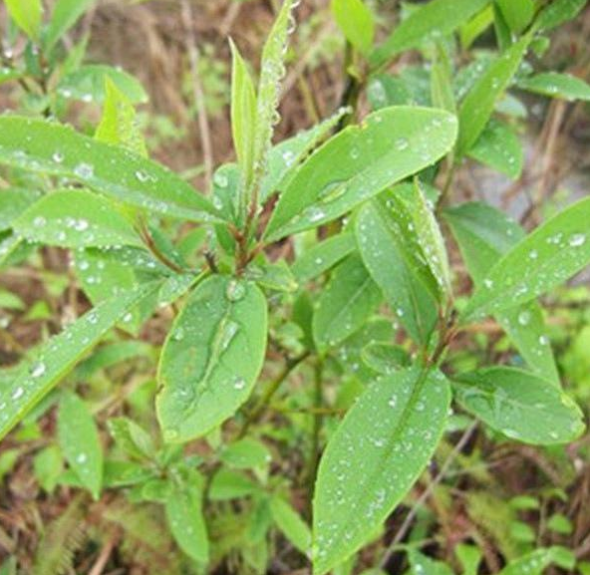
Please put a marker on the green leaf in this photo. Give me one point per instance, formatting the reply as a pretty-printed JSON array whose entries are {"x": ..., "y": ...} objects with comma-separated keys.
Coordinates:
[
  {"x": 49, "y": 148},
  {"x": 517, "y": 13},
  {"x": 470, "y": 557},
  {"x": 500, "y": 148},
  {"x": 247, "y": 453},
  {"x": 131, "y": 438},
  {"x": 65, "y": 15},
  {"x": 423, "y": 565},
  {"x": 27, "y": 15},
  {"x": 385, "y": 358},
  {"x": 478, "y": 105},
  {"x": 556, "y": 85},
  {"x": 276, "y": 277},
  {"x": 291, "y": 524},
  {"x": 227, "y": 485},
  {"x": 441, "y": 80},
  {"x": 388, "y": 243},
  {"x": 360, "y": 162},
  {"x": 520, "y": 405},
  {"x": 557, "y": 12},
  {"x": 243, "y": 116},
  {"x": 345, "y": 304},
  {"x": 283, "y": 159},
  {"x": 390, "y": 434},
  {"x": 7, "y": 74},
  {"x": 533, "y": 563},
  {"x": 57, "y": 357},
  {"x": 555, "y": 251},
  {"x": 13, "y": 202},
  {"x": 272, "y": 70},
  {"x": 323, "y": 256},
  {"x": 118, "y": 125},
  {"x": 356, "y": 22},
  {"x": 88, "y": 84},
  {"x": 79, "y": 441},
  {"x": 187, "y": 523},
  {"x": 212, "y": 357},
  {"x": 432, "y": 21},
  {"x": 484, "y": 234},
  {"x": 76, "y": 219}
]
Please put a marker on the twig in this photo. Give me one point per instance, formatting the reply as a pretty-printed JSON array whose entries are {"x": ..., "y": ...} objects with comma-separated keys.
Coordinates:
[
  {"x": 198, "y": 93},
  {"x": 426, "y": 494}
]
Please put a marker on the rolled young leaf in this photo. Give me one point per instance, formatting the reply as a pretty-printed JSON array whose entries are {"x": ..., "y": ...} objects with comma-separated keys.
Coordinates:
[
  {"x": 547, "y": 257},
  {"x": 50, "y": 148},
  {"x": 56, "y": 358},
  {"x": 212, "y": 357},
  {"x": 373, "y": 459},
  {"x": 358, "y": 163},
  {"x": 520, "y": 405}
]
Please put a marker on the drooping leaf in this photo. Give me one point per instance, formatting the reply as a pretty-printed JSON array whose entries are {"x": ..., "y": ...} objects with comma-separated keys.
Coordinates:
[
  {"x": 243, "y": 116},
  {"x": 557, "y": 85},
  {"x": 187, "y": 523},
  {"x": 389, "y": 246},
  {"x": 323, "y": 256},
  {"x": 432, "y": 21},
  {"x": 56, "y": 358},
  {"x": 484, "y": 234},
  {"x": 118, "y": 125},
  {"x": 358, "y": 163},
  {"x": 50, "y": 148},
  {"x": 356, "y": 22},
  {"x": 88, "y": 84},
  {"x": 348, "y": 300},
  {"x": 27, "y": 15},
  {"x": 76, "y": 219},
  {"x": 79, "y": 441},
  {"x": 291, "y": 524},
  {"x": 547, "y": 257},
  {"x": 390, "y": 434},
  {"x": 499, "y": 147},
  {"x": 478, "y": 105},
  {"x": 65, "y": 14},
  {"x": 212, "y": 357},
  {"x": 520, "y": 405},
  {"x": 13, "y": 202}
]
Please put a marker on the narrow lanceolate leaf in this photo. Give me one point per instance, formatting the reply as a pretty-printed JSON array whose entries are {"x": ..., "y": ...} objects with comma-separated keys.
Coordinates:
[
  {"x": 59, "y": 355},
  {"x": 553, "y": 253},
  {"x": 284, "y": 158},
  {"x": 557, "y": 12},
  {"x": 65, "y": 15},
  {"x": 478, "y": 105},
  {"x": 484, "y": 234},
  {"x": 187, "y": 523},
  {"x": 356, "y": 22},
  {"x": 533, "y": 563},
  {"x": 272, "y": 70},
  {"x": 51, "y": 148},
  {"x": 390, "y": 250},
  {"x": 76, "y": 219},
  {"x": 520, "y": 405},
  {"x": 517, "y": 13},
  {"x": 27, "y": 15},
  {"x": 360, "y": 162},
  {"x": 243, "y": 115},
  {"x": 557, "y": 85},
  {"x": 431, "y": 22},
  {"x": 500, "y": 148},
  {"x": 212, "y": 357},
  {"x": 80, "y": 443},
  {"x": 290, "y": 523},
  {"x": 390, "y": 434},
  {"x": 118, "y": 125},
  {"x": 323, "y": 256},
  {"x": 345, "y": 304}
]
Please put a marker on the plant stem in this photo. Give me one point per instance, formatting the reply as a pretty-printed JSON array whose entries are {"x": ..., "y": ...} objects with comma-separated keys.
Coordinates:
[{"x": 318, "y": 419}]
